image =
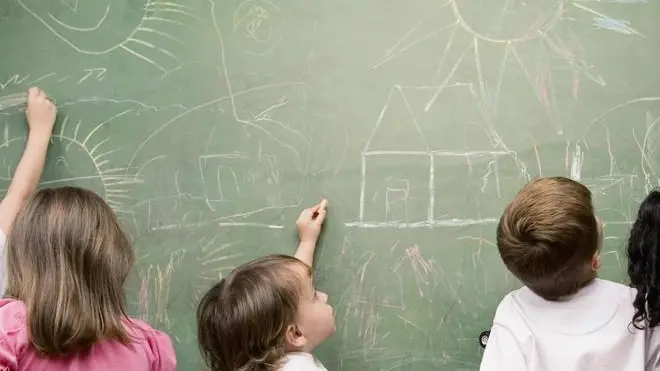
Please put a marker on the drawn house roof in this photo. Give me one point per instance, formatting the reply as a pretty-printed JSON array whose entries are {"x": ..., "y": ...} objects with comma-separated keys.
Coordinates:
[
  {"x": 405, "y": 125},
  {"x": 397, "y": 128}
]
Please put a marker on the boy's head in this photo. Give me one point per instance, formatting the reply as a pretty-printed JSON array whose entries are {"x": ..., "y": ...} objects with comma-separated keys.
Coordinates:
[
  {"x": 265, "y": 308},
  {"x": 549, "y": 237}
]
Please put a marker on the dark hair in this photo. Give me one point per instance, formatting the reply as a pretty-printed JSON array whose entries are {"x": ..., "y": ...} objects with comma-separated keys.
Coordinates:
[
  {"x": 644, "y": 261},
  {"x": 243, "y": 319},
  {"x": 67, "y": 259},
  {"x": 548, "y": 235}
]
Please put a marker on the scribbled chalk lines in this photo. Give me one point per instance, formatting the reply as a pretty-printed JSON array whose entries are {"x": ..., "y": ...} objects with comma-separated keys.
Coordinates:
[
  {"x": 213, "y": 258},
  {"x": 99, "y": 74},
  {"x": 208, "y": 104},
  {"x": 136, "y": 41},
  {"x": 647, "y": 168},
  {"x": 111, "y": 179},
  {"x": 231, "y": 94},
  {"x": 361, "y": 305},
  {"x": 598, "y": 119},
  {"x": 541, "y": 34},
  {"x": 12, "y": 100},
  {"x": 87, "y": 75},
  {"x": 398, "y": 48},
  {"x": 16, "y": 79},
  {"x": 651, "y": 179},
  {"x": 155, "y": 285}
]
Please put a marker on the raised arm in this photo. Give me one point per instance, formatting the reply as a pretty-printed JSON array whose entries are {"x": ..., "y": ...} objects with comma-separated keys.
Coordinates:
[
  {"x": 309, "y": 226},
  {"x": 40, "y": 114}
]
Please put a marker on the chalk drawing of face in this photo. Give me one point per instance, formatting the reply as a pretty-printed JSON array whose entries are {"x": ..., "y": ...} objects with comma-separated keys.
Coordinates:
[
  {"x": 145, "y": 29},
  {"x": 258, "y": 23}
]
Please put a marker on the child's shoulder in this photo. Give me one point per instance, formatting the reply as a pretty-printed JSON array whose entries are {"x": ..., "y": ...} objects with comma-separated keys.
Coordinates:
[
  {"x": 139, "y": 327},
  {"x": 599, "y": 287},
  {"x": 605, "y": 292},
  {"x": 143, "y": 332},
  {"x": 13, "y": 331},
  {"x": 600, "y": 302},
  {"x": 157, "y": 343},
  {"x": 523, "y": 299},
  {"x": 12, "y": 316},
  {"x": 615, "y": 288}
]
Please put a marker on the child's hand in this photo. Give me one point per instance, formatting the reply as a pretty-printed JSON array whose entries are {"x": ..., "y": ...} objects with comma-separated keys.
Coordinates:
[
  {"x": 310, "y": 221},
  {"x": 40, "y": 112}
]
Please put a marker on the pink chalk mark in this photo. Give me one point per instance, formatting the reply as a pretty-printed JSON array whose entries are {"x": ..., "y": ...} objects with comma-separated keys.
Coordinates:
[{"x": 542, "y": 91}]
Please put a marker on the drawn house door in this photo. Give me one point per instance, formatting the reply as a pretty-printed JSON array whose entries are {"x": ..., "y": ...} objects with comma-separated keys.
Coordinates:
[
  {"x": 396, "y": 189},
  {"x": 397, "y": 193}
]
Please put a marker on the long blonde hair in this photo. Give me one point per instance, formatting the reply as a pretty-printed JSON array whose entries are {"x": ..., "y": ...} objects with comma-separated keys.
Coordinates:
[{"x": 68, "y": 259}]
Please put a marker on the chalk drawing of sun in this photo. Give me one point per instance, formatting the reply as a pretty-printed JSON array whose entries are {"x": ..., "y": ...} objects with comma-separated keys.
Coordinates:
[
  {"x": 81, "y": 153},
  {"x": 146, "y": 29},
  {"x": 538, "y": 38}
]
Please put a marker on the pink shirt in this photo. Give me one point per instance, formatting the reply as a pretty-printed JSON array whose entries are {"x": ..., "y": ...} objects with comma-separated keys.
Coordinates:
[{"x": 151, "y": 350}]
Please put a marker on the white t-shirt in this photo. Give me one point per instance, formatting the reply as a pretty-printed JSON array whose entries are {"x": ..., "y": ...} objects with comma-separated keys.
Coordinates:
[
  {"x": 299, "y": 361},
  {"x": 590, "y": 330}
]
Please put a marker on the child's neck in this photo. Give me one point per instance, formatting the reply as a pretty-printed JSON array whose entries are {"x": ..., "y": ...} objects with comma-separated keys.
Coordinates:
[{"x": 302, "y": 349}]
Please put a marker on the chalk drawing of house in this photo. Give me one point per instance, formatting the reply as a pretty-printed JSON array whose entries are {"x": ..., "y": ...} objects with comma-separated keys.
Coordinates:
[{"x": 408, "y": 183}]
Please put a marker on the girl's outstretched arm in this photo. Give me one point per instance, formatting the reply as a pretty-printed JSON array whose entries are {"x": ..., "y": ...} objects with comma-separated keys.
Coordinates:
[
  {"x": 309, "y": 226},
  {"x": 40, "y": 115}
]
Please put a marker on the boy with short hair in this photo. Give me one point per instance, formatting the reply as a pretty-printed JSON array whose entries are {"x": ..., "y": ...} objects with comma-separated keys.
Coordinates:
[{"x": 564, "y": 318}]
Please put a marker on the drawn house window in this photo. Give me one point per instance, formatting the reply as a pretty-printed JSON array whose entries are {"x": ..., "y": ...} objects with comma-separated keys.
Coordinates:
[
  {"x": 227, "y": 182},
  {"x": 397, "y": 193},
  {"x": 220, "y": 177}
]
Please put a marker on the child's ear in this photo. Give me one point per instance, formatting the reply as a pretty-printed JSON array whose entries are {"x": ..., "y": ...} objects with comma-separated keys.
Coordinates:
[
  {"x": 595, "y": 261},
  {"x": 294, "y": 338}
]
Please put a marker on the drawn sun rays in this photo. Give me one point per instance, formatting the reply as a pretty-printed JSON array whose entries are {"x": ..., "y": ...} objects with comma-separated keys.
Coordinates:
[
  {"x": 102, "y": 27},
  {"x": 81, "y": 154},
  {"x": 538, "y": 41}
]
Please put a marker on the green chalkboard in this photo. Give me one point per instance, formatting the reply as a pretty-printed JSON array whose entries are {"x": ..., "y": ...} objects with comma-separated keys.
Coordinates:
[{"x": 209, "y": 124}]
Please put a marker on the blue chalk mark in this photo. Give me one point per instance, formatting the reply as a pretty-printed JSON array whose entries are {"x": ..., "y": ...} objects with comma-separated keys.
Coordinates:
[{"x": 616, "y": 25}]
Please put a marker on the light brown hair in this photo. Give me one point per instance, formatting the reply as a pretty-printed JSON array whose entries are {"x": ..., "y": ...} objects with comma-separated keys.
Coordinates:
[
  {"x": 243, "y": 319},
  {"x": 548, "y": 235},
  {"x": 68, "y": 259}
]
